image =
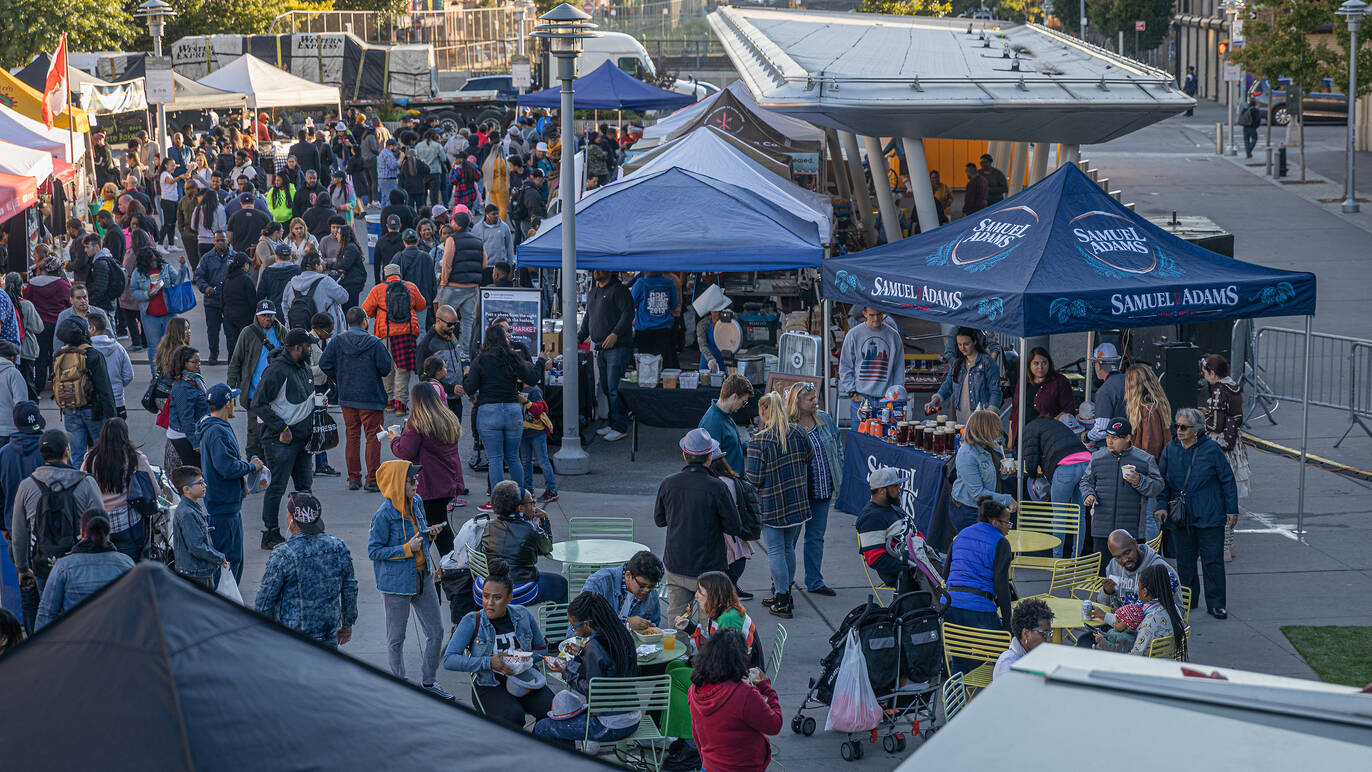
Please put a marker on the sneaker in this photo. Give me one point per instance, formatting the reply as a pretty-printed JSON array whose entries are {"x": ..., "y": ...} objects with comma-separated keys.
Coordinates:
[
  {"x": 455, "y": 503},
  {"x": 272, "y": 537},
  {"x": 438, "y": 691},
  {"x": 782, "y": 608},
  {"x": 743, "y": 594},
  {"x": 371, "y": 487},
  {"x": 485, "y": 507},
  {"x": 548, "y": 497},
  {"x": 354, "y": 485},
  {"x": 604, "y": 430},
  {"x": 822, "y": 590},
  {"x": 686, "y": 759},
  {"x": 327, "y": 471},
  {"x": 614, "y": 435}
]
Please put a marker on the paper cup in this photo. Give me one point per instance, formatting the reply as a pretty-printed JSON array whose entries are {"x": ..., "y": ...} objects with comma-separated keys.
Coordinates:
[{"x": 1127, "y": 469}]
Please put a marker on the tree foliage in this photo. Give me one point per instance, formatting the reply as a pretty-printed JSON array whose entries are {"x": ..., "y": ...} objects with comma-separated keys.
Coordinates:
[
  {"x": 1277, "y": 42},
  {"x": 906, "y": 7},
  {"x": 34, "y": 27},
  {"x": 1111, "y": 17}
]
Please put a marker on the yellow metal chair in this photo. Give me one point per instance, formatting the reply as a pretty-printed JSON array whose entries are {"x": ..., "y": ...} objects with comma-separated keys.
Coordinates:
[
  {"x": 1060, "y": 520},
  {"x": 974, "y": 643},
  {"x": 1156, "y": 542},
  {"x": 877, "y": 589},
  {"x": 1073, "y": 577},
  {"x": 621, "y": 528},
  {"x": 1185, "y": 606},
  {"x": 1166, "y": 647},
  {"x": 649, "y": 694},
  {"x": 954, "y": 696}
]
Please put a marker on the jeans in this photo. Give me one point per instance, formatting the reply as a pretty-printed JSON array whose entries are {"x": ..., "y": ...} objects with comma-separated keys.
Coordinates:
[
  {"x": 226, "y": 534},
  {"x": 781, "y": 555},
  {"x": 1065, "y": 490},
  {"x": 463, "y": 301},
  {"x": 386, "y": 185},
  {"x": 814, "y": 543},
  {"x": 960, "y": 516},
  {"x": 214, "y": 322},
  {"x": 1151, "y": 526},
  {"x": 154, "y": 327},
  {"x": 131, "y": 540},
  {"x": 570, "y": 730},
  {"x": 1207, "y": 544},
  {"x": 500, "y": 425},
  {"x": 986, "y": 620},
  {"x": 528, "y": 448},
  {"x": 287, "y": 462},
  {"x": 82, "y": 431},
  {"x": 1250, "y": 140},
  {"x": 612, "y": 363},
  {"x": 361, "y": 426},
  {"x": 425, "y": 605}
]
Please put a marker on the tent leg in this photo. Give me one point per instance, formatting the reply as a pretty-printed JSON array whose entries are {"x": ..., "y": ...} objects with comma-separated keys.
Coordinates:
[
  {"x": 1019, "y": 421},
  {"x": 836, "y": 159},
  {"x": 1068, "y": 154},
  {"x": 1305, "y": 433},
  {"x": 1090, "y": 347},
  {"x": 1040, "y": 162},
  {"x": 827, "y": 310},
  {"x": 918, "y": 168},
  {"x": 881, "y": 181},
  {"x": 861, "y": 199},
  {"x": 1017, "y": 164}
]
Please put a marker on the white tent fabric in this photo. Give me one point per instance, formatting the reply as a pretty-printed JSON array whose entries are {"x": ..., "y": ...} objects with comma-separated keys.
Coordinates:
[
  {"x": 26, "y": 132},
  {"x": 784, "y": 124},
  {"x": 706, "y": 152},
  {"x": 192, "y": 95},
  {"x": 267, "y": 86},
  {"x": 25, "y": 162}
]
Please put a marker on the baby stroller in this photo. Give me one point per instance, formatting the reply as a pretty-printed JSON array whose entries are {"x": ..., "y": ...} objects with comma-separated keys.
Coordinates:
[
  {"x": 160, "y": 525},
  {"x": 903, "y": 649}
]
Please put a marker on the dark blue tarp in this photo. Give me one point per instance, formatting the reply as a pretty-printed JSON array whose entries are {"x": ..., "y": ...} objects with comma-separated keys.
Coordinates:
[
  {"x": 1061, "y": 256},
  {"x": 609, "y": 88},
  {"x": 677, "y": 220}
]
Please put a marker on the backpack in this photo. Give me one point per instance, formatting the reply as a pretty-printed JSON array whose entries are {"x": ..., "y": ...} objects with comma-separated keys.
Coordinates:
[
  {"x": 397, "y": 303},
  {"x": 302, "y": 307},
  {"x": 518, "y": 211},
  {"x": 114, "y": 281},
  {"x": 1246, "y": 117},
  {"x": 749, "y": 507},
  {"x": 71, "y": 385},
  {"x": 56, "y": 527}
]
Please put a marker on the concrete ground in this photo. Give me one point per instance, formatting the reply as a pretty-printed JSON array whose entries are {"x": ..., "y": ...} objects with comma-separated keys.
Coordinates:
[{"x": 1322, "y": 577}]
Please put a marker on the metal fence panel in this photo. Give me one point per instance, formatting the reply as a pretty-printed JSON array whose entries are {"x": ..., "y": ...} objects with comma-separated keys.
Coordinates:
[{"x": 1340, "y": 371}]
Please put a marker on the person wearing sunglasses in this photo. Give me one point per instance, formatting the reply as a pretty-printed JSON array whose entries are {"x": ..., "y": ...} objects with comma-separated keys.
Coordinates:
[
  {"x": 1202, "y": 496},
  {"x": 1031, "y": 623}
]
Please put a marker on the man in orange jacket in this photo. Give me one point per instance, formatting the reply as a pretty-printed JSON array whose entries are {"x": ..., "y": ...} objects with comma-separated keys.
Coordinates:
[{"x": 387, "y": 301}]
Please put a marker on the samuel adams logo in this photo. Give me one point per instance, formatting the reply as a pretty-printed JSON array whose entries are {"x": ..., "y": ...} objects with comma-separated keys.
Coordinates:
[
  {"x": 1115, "y": 247},
  {"x": 990, "y": 241}
]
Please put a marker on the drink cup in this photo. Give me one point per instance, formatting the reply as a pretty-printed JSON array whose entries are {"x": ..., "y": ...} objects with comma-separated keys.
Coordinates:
[
  {"x": 668, "y": 639},
  {"x": 1127, "y": 469},
  {"x": 1086, "y": 609}
]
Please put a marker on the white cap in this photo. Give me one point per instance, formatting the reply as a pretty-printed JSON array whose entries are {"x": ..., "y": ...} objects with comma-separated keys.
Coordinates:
[
  {"x": 1106, "y": 352},
  {"x": 883, "y": 477},
  {"x": 712, "y": 299}
]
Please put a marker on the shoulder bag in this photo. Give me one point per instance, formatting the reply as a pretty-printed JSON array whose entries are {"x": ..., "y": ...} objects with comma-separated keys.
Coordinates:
[{"x": 1175, "y": 519}]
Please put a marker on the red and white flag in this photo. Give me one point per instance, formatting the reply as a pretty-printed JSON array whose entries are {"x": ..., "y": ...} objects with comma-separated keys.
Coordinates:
[{"x": 55, "y": 86}]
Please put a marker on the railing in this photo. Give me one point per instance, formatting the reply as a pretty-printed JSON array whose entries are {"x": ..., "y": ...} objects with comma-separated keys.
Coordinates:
[
  {"x": 475, "y": 40},
  {"x": 1340, "y": 373},
  {"x": 657, "y": 19}
]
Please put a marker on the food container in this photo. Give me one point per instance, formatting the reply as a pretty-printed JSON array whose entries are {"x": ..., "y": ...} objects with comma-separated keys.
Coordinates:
[
  {"x": 716, "y": 378},
  {"x": 647, "y": 651},
  {"x": 651, "y": 635},
  {"x": 671, "y": 378},
  {"x": 689, "y": 379},
  {"x": 518, "y": 660}
]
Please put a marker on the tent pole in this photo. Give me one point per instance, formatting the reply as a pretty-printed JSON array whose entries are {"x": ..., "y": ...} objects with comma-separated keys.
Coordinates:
[
  {"x": 918, "y": 168},
  {"x": 881, "y": 182},
  {"x": 861, "y": 199},
  {"x": 836, "y": 158},
  {"x": 1090, "y": 347},
  {"x": 1305, "y": 431},
  {"x": 827, "y": 310},
  {"x": 1019, "y": 421}
]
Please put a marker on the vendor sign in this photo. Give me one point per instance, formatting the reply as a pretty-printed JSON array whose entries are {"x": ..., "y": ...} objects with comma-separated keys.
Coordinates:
[
  {"x": 921, "y": 477},
  {"x": 522, "y": 306}
]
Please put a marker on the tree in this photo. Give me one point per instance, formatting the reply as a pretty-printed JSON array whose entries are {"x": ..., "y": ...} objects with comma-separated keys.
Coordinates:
[
  {"x": 34, "y": 27},
  {"x": 906, "y": 7},
  {"x": 392, "y": 7},
  {"x": 1112, "y": 17}
]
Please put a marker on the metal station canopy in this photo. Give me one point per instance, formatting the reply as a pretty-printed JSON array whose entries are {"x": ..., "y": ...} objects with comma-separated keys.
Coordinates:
[{"x": 918, "y": 76}]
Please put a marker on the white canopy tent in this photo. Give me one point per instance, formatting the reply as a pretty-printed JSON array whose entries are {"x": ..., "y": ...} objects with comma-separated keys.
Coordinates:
[
  {"x": 192, "y": 95},
  {"x": 785, "y": 125},
  {"x": 26, "y": 132},
  {"x": 25, "y": 161},
  {"x": 266, "y": 86},
  {"x": 707, "y": 152}
]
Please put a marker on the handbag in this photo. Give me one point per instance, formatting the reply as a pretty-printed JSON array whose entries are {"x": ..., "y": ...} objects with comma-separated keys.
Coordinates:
[
  {"x": 142, "y": 494},
  {"x": 179, "y": 298},
  {"x": 1175, "y": 519},
  {"x": 324, "y": 433},
  {"x": 156, "y": 390}
]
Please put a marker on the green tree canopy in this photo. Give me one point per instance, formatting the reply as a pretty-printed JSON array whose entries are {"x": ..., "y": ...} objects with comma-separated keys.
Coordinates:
[
  {"x": 906, "y": 7},
  {"x": 34, "y": 27},
  {"x": 1277, "y": 42}
]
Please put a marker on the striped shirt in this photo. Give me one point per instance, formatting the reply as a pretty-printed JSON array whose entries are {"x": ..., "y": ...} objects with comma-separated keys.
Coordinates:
[{"x": 821, "y": 477}]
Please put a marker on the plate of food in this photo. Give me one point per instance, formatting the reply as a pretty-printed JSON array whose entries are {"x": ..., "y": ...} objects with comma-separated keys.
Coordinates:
[
  {"x": 570, "y": 647},
  {"x": 650, "y": 635}
]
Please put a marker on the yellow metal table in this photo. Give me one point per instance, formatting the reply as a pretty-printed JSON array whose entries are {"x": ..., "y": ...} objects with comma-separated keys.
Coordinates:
[{"x": 1031, "y": 541}]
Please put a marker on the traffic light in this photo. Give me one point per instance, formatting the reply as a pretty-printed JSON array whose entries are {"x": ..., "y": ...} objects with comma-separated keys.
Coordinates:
[{"x": 1224, "y": 47}]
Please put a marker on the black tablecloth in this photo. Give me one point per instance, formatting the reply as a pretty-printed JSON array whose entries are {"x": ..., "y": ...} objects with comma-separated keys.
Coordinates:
[{"x": 671, "y": 408}]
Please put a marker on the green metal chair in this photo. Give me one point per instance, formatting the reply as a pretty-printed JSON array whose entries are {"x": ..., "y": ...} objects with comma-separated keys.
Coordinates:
[
  {"x": 621, "y": 528},
  {"x": 778, "y": 647},
  {"x": 552, "y": 620},
  {"x": 649, "y": 694},
  {"x": 476, "y": 561},
  {"x": 954, "y": 696},
  {"x": 577, "y": 574}
]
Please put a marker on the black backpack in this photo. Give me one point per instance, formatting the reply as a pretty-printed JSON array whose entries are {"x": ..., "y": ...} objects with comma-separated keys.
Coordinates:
[
  {"x": 518, "y": 211},
  {"x": 397, "y": 303},
  {"x": 114, "y": 280},
  {"x": 302, "y": 307},
  {"x": 749, "y": 506},
  {"x": 56, "y": 528}
]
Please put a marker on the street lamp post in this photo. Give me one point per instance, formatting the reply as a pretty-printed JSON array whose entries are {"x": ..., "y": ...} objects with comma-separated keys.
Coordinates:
[
  {"x": 156, "y": 13},
  {"x": 565, "y": 27},
  {"x": 1232, "y": 9},
  {"x": 1352, "y": 12}
]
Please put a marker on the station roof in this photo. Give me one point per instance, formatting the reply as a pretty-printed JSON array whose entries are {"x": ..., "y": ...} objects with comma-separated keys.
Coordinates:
[{"x": 920, "y": 76}]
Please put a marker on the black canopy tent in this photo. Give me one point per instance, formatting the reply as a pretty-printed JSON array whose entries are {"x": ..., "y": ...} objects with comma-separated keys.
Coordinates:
[{"x": 154, "y": 673}]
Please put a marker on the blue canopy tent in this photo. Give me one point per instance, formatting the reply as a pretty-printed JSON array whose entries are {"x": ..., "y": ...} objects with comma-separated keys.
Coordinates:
[
  {"x": 645, "y": 223},
  {"x": 609, "y": 88},
  {"x": 1063, "y": 256}
]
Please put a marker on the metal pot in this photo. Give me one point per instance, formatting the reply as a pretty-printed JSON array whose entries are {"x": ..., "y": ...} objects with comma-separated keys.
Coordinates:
[{"x": 754, "y": 368}]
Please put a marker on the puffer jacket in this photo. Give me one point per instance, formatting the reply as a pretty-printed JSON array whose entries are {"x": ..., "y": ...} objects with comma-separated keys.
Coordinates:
[
  {"x": 1118, "y": 503},
  {"x": 520, "y": 542}
]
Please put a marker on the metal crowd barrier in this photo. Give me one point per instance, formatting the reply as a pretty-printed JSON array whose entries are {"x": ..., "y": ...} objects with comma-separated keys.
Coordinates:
[{"x": 1340, "y": 373}]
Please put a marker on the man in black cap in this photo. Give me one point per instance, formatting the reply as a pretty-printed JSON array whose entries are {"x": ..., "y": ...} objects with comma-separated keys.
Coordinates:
[
  {"x": 309, "y": 585},
  {"x": 249, "y": 361},
  {"x": 245, "y": 225},
  {"x": 284, "y": 402},
  {"x": 81, "y": 386},
  {"x": 388, "y": 245},
  {"x": 1118, "y": 482},
  {"x": 272, "y": 284}
]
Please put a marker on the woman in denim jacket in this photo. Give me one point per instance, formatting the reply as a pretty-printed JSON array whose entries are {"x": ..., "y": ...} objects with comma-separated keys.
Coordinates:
[
  {"x": 91, "y": 564},
  {"x": 976, "y": 467},
  {"x": 973, "y": 371},
  {"x": 151, "y": 276},
  {"x": 826, "y": 472},
  {"x": 481, "y": 638}
]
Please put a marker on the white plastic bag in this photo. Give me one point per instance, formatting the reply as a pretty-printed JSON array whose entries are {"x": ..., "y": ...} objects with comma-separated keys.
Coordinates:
[
  {"x": 228, "y": 587},
  {"x": 649, "y": 369},
  {"x": 854, "y": 706}
]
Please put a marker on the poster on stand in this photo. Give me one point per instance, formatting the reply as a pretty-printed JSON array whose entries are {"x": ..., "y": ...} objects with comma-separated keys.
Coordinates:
[{"x": 522, "y": 306}]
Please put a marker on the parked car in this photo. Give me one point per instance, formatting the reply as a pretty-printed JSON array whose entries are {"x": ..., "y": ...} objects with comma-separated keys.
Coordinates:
[{"x": 1324, "y": 105}]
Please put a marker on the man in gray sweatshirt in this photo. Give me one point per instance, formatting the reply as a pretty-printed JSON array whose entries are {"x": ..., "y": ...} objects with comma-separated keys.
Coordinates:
[
  {"x": 871, "y": 361},
  {"x": 496, "y": 235}
]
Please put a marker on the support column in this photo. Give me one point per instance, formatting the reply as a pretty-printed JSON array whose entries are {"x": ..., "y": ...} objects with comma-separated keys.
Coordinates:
[
  {"x": 1040, "y": 169},
  {"x": 1068, "y": 154},
  {"x": 881, "y": 182},
  {"x": 836, "y": 160},
  {"x": 1000, "y": 154},
  {"x": 1017, "y": 163},
  {"x": 926, "y": 211},
  {"x": 861, "y": 200}
]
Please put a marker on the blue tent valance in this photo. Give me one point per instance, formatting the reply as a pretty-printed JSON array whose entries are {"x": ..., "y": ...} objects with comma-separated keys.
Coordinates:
[
  {"x": 1061, "y": 256},
  {"x": 677, "y": 220},
  {"x": 609, "y": 88}
]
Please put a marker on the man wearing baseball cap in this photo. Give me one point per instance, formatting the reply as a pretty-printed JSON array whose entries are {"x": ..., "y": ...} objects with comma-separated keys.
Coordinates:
[
  {"x": 224, "y": 469},
  {"x": 1109, "y": 398},
  {"x": 1117, "y": 485},
  {"x": 697, "y": 510},
  {"x": 388, "y": 245},
  {"x": 249, "y": 361},
  {"x": 309, "y": 585},
  {"x": 272, "y": 284},
  {"x": 876, "y": 516},
  {"x": 246, "y": 224},
  {"x": 417, "y": 267},
  {"x": 284, "y": 401}
]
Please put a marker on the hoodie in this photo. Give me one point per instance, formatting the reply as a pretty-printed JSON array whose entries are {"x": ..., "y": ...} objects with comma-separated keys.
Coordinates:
[
  {"x": 58, "y": 477},
  {"x": 398, "y": 568},
  {"x": 285, "y": 395},
  {"x": 357, "y": 361},
  {"x": 274, "y": 279},
  {"x": 18, "y": 458},
  {"x": 13, "y": 390},
  {"x": 223, "y": 467},
  {"x": 329, "y": 298},
  {"x": 117, "y": 363},
  {"x": 731, "y": 722},
  {"x": 1127, "y": 582}
]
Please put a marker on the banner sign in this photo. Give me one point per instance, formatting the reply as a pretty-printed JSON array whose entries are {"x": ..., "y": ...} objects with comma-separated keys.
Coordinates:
[
  {"x": 921, "y": 477},
  {"x": 522, "y": 306}
]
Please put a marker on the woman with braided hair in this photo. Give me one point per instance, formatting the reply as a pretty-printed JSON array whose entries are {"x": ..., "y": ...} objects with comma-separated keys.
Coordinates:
[{"x": 607, "y": 653}]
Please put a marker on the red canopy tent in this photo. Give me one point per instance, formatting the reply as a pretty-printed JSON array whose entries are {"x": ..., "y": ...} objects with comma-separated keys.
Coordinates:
[{"x": 16, "y": 194}]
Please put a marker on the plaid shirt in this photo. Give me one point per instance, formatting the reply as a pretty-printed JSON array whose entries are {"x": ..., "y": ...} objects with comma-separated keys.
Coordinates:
[
  {"x": 781, "y": 477},
  {"x": 309, "y": 586},
  {"x": 463, "y": 193}
]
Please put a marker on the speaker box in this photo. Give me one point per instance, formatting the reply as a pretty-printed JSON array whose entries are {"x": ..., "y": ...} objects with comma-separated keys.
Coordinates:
[
  {"x": 799, "y": 353},
  {"x": 1181, "y": 379}
]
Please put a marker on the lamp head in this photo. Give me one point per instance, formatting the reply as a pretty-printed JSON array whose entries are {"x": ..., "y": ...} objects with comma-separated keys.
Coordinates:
[
  {"x": 1352, "y": 12},
  {"x": 564, "y": 27}
]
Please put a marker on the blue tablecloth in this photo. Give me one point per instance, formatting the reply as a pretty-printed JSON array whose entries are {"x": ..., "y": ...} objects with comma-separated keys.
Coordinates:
[{"x": 923, "y": 493}]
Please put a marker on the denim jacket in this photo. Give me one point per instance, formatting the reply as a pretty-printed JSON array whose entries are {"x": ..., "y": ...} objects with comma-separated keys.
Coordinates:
[
  {"x": 476, "y": 635},
  {"x": 77, "y": 576},
  {"x": 977, "y": 476},
  {"x": 195, "y": 553},
  {"x": 396, "y": 573},
  {"x": 140, "y": 284},
  {"x": 608, "y": 583},
  {"x": 833, "y": 449},
  {"x": 983, "y": 386},
  {"x": 309, "y": 586}
]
